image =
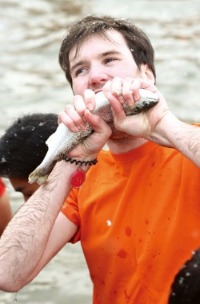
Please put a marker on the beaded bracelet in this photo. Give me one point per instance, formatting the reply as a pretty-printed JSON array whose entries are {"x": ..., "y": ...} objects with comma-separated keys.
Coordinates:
[{"x": 77, "y": 162}]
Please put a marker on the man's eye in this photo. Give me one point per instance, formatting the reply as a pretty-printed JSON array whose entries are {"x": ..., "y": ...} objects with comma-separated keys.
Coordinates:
[
  {"x": 80, "y": 71},
  {"x": 110, "y": 59}
]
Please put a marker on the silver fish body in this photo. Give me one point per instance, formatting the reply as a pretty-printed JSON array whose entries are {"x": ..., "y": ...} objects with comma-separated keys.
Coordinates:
[{"x": 63, "y": 140}]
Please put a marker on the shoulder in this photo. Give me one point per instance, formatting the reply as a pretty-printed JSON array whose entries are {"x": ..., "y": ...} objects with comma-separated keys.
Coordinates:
[{"x": 2, "y": 187}]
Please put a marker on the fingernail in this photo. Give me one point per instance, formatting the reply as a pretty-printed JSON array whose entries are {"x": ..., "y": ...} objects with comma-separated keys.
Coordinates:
[{"x": 90, "y": 106}]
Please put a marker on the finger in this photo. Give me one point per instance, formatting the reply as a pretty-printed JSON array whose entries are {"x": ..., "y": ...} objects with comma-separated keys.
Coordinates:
[
  {"x": 127, "y": 92},
  {"x": 89, "y": 99},
  {"x": 140, "y": 83},
  {"x": 116, "y": 86},
  {"x": 68, "y": 122},
  {"x": 121, "y": 88},
  {"x": 116, "y": 107},
  {"x": 136, "y": 85},
  {"x": 113, "y": 87},
  {"x": 79, "y": 104},
  {"x": 97, "y": 123},
  {"x": 107, "y": 86},
  {"x": 73, "y": 120}
]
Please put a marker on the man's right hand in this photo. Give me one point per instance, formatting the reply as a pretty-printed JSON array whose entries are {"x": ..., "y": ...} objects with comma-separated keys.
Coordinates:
[{"x": 77, "y": 117}]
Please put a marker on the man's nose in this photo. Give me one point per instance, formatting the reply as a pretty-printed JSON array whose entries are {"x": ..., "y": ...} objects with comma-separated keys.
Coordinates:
[{"x": 97, "y": 77}]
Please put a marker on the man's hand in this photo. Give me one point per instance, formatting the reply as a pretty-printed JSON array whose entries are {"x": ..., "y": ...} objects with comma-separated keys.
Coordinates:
[
  {"x": 120, "y": 91},
  {"x": 76, "y": 119}
]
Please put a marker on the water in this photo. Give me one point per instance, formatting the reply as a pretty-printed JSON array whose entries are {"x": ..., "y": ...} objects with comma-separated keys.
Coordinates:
[{"x": 31, "y": 81}]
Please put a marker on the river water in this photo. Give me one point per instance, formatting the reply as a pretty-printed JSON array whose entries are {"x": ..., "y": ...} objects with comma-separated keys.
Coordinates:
[{"x": 31, "y": 81}]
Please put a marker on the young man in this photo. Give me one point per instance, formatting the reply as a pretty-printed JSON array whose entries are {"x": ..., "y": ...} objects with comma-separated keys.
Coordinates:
[{"x": 137, "y": 212}]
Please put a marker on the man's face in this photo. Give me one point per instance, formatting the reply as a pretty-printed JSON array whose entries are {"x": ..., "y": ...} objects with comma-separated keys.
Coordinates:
[
  {"x": 22, "y": 185},
  {"x": 100, "y": 59}
]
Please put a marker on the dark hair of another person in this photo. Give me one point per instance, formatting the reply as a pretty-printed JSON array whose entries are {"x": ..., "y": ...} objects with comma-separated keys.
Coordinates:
[
  {"x": 137, "y": 41},
  {"x": 23, "y": 147},
  {"x": 185, "y": 288}
]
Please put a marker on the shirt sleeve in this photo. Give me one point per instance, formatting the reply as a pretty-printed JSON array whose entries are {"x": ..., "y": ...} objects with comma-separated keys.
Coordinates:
[{"x": 71, "y": 211}]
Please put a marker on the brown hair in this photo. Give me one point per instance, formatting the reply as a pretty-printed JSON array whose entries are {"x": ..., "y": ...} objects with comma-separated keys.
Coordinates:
[{"x": 137, "y": 41}]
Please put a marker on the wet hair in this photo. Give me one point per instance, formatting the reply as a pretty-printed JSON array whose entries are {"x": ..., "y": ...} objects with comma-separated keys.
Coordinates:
[
  {"x": 185, "y": 288},
  {"x": 137, "y": 41},
  {"x": 23, "y": 147}
]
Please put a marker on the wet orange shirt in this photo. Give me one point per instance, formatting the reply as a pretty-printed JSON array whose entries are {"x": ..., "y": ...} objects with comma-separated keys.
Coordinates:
[{"x": 139, "y": 220}]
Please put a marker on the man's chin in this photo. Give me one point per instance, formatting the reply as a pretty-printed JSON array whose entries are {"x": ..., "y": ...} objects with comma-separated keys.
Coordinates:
[{"x": 118, "y": 135}]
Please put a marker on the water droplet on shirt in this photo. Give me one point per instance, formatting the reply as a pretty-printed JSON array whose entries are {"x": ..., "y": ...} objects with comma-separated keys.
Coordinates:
[
  {"x": 122, "y": 254},
  {"x": 108, "y": 222}
]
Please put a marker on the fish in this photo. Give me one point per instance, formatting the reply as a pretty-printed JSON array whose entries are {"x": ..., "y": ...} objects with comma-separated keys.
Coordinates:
[{"x": 62, "y": 141}]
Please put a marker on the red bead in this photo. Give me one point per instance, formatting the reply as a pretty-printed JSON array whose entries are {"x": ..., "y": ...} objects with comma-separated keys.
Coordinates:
[{"x": 78, "y": 178}]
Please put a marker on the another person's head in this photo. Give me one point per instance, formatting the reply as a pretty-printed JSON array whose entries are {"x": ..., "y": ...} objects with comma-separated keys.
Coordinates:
[
  {"x": 185, "y": 288},
  {"x": 23, "y": 147},
  {"x": 79, "y": 33}
]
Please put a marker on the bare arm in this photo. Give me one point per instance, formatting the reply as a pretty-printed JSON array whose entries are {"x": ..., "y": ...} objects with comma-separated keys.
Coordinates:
[
  {"x": 5, "y": 211},
  {"x": 30, "y": 240},
  {"x": 179, "y": 135},
  {"x": 38, "y": 230}
]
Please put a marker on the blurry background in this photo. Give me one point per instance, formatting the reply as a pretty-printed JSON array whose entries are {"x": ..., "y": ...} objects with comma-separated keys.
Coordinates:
[{"x": 32, "y": 81}]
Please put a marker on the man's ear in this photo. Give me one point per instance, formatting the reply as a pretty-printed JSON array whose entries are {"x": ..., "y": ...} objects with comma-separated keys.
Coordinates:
[{"x": 146, "y": 73}]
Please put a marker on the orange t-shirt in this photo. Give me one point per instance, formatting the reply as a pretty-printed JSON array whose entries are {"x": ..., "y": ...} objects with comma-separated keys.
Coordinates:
[
  {"x": 2, "y": 187},
  {"x": 138, "y": 215}
]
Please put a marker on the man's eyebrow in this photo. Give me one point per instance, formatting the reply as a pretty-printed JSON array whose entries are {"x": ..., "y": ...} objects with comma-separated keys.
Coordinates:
[
  {"x": 111, "y": 52},
  {"x": 82, "y": 62}
]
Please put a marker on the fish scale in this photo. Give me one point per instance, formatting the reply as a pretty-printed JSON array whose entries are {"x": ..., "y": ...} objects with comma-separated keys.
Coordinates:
[{"x": 62, "y": 141}]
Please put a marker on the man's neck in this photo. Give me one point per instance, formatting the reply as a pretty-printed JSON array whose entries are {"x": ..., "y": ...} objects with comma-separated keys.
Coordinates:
[{"x": 123, "y": 145}]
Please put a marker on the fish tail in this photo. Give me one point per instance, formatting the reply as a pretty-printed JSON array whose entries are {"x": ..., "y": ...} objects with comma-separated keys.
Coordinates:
[
  {"x": 37, "y": 176},
  {"x": 41, "y": 173}
]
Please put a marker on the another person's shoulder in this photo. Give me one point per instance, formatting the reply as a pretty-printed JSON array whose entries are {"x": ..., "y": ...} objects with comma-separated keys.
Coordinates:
[{"x": 2, "y": 187}]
